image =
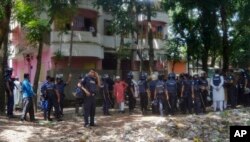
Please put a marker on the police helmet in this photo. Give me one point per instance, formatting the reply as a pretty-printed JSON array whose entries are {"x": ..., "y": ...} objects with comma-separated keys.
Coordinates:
[
  {"x": 202, "y": 74},
  {"x": 130, "y": 75},
  {"x": 105, "y": 76},
  {"x": 161, "y": 76},
  {"x": 171, "y": 76},
  {"x": 195, "y": 75},
  {"x": 8, "y": 72},
  {"x": 143, "y": 76}
]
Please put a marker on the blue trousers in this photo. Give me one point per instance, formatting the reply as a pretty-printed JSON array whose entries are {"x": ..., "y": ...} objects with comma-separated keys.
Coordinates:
[
  {"x": 144, "y": 101},
  {"x": 89, "y": 110},
  {"x": 187, "y": 103},
  {"x": 106, "y": 104},
  {"x": 52, "y": 102},
  {"x": 10, "y": 104}
]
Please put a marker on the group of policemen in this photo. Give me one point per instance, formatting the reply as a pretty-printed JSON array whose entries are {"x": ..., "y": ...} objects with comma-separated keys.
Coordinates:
[
  {"x": 168, "y": 95},
  {"x": 184, "y": 94},
  {"x": 52, "y": 96},
  {"x": 163, "y": 95}
]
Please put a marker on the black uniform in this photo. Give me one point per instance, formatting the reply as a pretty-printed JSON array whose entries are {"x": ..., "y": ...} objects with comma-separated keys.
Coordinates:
[
  {"x": 10, "y": 98},
  {"x": 198, "y": 102},
  {"x": 90, "y": 84},
  {"x": 187, "y": 95},
  {"x": 142, "y": 84},
  {"x": 104, "y": 90},
  {"x": 171, "y": 86},
  {"x": 131, "y": 97},
  {"x": 160, "y": 96},
  {"x": 52, "y": 100},
  {"x": 231, "y": 90}
]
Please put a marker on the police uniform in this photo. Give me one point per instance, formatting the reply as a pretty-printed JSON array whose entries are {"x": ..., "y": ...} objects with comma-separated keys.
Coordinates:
[
  {"x": 131, "y": 97},
  {"x": 79, "y": 99},
  {"x": 142, "y": 84},
  {"x": 242, "y": 99},
  {"x": 171, "y": 86},
  {"x": 204, "y": 92},
  {"x": 198, "y": 102},
  {"x": 187, "y": 95},
  {"x": 10, "y": 98},
  {"x": 217, "y": 83},
  {"x": 52, "y": 100},
  {"x": 231, "y": 90},
  {"x": 104, "y": 89},
  {"x": 44, "y": 99},
  {"x": 60, "y": 87},
  {"x": 160, "y": 95},
  {"x": 90, "y": 84}
]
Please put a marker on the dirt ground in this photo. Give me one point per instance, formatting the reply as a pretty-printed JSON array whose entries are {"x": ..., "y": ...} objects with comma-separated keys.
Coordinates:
[{"x": 213, "y": 126}]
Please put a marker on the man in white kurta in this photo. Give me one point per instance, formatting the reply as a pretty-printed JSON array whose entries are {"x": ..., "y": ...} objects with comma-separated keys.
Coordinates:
[
  {"x": 217, "y": 82},
  {"x": 17, "y": 94}
]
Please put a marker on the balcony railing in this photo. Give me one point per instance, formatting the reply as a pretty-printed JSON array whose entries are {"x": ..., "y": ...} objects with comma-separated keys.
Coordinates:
[{"x": 78, "y": 36}]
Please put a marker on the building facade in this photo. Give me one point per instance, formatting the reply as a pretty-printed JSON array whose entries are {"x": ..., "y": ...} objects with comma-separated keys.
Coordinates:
[{"x": 94, "y": 46}]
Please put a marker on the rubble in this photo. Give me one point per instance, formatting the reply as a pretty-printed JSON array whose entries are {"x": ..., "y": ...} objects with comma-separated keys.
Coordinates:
[{"x": 211, "y": 127}]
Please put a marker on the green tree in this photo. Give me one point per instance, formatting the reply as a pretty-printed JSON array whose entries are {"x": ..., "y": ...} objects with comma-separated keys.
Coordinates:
[
  {"x": 30, "y": 13},
  {"x": 175, "y": 51},
  {"x": 196, "y": 22}
]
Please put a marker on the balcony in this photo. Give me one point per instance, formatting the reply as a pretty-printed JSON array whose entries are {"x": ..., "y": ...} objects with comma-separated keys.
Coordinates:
[
  {"x": 160, "y": 16},
  {"x": 79, "y": 36},
  {"x": 84, "y": 44},
  {"x": 87, "y": 4}
]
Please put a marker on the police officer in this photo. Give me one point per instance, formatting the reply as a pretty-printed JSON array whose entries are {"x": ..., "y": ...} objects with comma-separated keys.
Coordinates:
[
  {"x": 9, "y": 87},
  {"x": 231, "y": 88},
  {"x": 60, "y": 85},
  {"x": 217, "y": 83},
  {"x": 143, "y": 92},
  {"x": 171, "y": 87},
  {"x": 79, "y": 97},
  {"x": 111, "y": 83},
  {"x": 90, "y": 85},
  {"x": 131, "y": 92},
  {"x": 186, "y": 94},
  {"x": 242, "y": 84},
  {"x": 44, "y": 97},
  {"x": 160, "y": 93},
  {"x": 152, "y": 85},
  {"x": 204, "y": 90},
  {"x": 198, "y": 100},
  {"x": 28, "y": 94},
  {"x": 53, "y": 99},
  {"x": 104, "y": 89}
]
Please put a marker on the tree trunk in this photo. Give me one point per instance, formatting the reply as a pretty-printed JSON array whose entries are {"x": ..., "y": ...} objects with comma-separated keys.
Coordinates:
[
  {"x": 4, "y": 31},
  {"x": 204, "y": 62},
  {"x": 150, "y": 40},
  {"x": 38, "y": 70},
  {"x": 118, "y": 66},
  {"x": 225, "y": 45},
  {"x": 213, "y": 61},
  {"x": 70, "y": 48},
  {"x": 174, "y": 62}
]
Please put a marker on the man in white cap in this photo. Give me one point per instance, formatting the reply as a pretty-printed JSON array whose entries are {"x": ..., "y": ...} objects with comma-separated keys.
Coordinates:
[{"x": 119, "y": 93}]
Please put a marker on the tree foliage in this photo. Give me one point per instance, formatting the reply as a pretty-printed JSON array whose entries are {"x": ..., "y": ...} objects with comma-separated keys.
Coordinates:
[{"x": 210, "y": 28}]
